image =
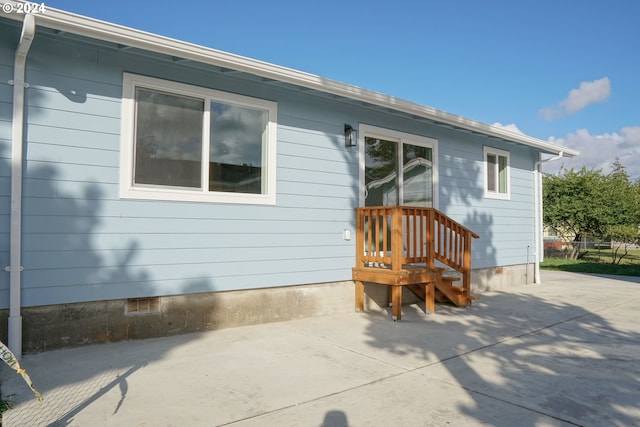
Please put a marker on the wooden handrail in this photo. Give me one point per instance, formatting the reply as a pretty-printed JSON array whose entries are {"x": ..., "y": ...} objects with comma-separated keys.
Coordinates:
[{"x": 393, "y": 236}]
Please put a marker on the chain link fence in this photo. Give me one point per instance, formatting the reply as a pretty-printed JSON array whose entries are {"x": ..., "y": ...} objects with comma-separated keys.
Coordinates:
[{"x": 597, "y": 250}]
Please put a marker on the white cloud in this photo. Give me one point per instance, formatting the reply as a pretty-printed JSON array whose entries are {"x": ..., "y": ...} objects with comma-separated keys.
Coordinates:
[
  {"x": 510, "y": 127},
  {"x": 600, "y": 151},
  {"x": 588, "y": 93}
]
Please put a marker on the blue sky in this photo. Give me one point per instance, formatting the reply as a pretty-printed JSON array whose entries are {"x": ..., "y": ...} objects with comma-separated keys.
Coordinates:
[{"x": 563, "y": 71}]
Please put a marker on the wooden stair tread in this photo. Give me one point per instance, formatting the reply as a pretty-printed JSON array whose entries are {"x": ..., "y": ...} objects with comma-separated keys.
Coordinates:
[{"x": 445, "y": 290}]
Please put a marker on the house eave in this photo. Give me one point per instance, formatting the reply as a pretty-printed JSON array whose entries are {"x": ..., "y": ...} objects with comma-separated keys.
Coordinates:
[{"x": 66, "y": 22}]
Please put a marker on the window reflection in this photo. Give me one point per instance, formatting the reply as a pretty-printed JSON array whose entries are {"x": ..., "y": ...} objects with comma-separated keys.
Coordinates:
[
  {"x": 237, "y": 137},
  {"x": 168, "y": 139}
]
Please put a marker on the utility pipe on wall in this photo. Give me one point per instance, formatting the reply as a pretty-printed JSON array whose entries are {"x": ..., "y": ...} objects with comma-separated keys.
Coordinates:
[
  {"x": 17, "y": 141},
  {"x": 537, "y": 206}
]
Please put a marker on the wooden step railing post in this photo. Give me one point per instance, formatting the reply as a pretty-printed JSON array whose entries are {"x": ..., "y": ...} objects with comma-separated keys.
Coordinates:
[
  {"x": 360, "y": 249},
  {"x": 466, "y": 268},
  {"x": 360, "y": 253},
  {"x": 396, "y": 238},
  {"x": 430, "y": 238}
]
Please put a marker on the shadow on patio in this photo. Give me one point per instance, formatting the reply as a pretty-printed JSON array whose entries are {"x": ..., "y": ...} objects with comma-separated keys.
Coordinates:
[{"x": 559, "y": 361}]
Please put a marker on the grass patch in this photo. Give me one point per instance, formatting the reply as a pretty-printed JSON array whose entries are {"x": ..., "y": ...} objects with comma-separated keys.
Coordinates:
[
  {"x": 604, "y": 256},
  {"x": 589, "y": 265}
]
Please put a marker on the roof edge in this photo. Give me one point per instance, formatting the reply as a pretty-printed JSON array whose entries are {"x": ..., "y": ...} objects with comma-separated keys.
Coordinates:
[{"x": 90, "y": 27}]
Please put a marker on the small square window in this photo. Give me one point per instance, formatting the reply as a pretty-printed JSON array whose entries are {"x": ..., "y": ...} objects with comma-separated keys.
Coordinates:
[{"x": 497, "y": 174}]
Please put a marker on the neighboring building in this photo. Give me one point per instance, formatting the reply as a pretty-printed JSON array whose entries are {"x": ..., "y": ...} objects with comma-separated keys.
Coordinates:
[
  {"x": 556, "y": 245},
  {"x": 155, "y": 187}
]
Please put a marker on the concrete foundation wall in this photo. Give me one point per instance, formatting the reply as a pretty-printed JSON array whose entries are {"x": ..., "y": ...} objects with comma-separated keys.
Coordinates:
[
  {"x": 55, "y": 326},
  {"x": 498, "y": 278}
]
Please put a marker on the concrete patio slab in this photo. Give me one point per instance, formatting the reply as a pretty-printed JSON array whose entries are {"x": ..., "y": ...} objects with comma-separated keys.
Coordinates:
[{"x": 566, "y": 352}]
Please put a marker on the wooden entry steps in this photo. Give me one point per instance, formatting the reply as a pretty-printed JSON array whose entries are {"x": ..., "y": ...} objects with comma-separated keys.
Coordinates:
[
  {"x": 399, "y": 246},
  {"x": 446, "y": 291},
  {"x": 428, "y": 284}
]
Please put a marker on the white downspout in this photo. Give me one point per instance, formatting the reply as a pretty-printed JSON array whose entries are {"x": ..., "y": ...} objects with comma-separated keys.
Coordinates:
[
  {"x": 17, "y": 137},
  {"x": 537, "y": 207}
]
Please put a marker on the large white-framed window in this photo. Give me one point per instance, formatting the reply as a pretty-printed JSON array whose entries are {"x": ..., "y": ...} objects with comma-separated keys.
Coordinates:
[
  {"x": 188, "y": 143},
  {"x": 497, "y": 175},
  {"x": 397, "y": 168}
]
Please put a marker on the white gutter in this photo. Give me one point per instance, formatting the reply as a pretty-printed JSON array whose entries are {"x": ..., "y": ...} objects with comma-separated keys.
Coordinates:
[
  {"x": 17, "y": 136},
  {"x": 537, "y": 220},
  {"x": 66, "y": 22}
]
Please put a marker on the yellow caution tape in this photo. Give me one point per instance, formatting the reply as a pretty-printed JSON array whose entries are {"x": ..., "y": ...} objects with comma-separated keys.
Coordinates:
[{"x": 8, "y": 358}]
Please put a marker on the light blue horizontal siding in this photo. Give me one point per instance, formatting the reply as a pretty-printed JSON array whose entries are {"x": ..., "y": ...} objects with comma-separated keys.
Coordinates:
[
  {"x": 41, "y": 223},
  {"x": 8, "y": 52},
  {"x": 221, "y": 256},
  {"x": 312, "y": 176},
  {"x": 105, "y": 242},
  {"x": 64, "y": 171},
  {"x": 5, "y": 176},
  {"x": 5, "y": 204},
  {"x": 84, "y": 122},
  {"x": 315, "y": 165},
  {"x": 81, "y": 242},
  {"x": 65, "y": 206},
  {"x": 6, "y": 112},
  {"x": 37, "y": 191},
  {"x": 62, "y": 154},
  {"x": 295, "y": 139},
  {"x": 82, "y": 94},
  {"x": 9, "y": 35},
  {"x": 316, "y": 202},
  {"x": 4, "y": 248},
  {"x": 73, "y": 66},
  {"x": 227, "y": 271},
  {"x": 505, "y": 227},
  {"x": 64, "y": 136}
]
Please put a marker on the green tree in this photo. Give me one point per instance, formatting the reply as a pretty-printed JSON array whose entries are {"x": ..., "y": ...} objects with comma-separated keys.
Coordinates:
[
  {"x": 573, "y": 204},
  {"x": 585, "y": 203},
  {"x": 624, "y": 199}
]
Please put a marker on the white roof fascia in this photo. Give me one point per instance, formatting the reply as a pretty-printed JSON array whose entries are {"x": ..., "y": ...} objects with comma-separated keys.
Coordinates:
[{"x": 89, "y": 27}]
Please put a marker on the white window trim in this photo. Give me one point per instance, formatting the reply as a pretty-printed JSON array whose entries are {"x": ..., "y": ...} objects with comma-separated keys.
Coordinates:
[
  {"x": 401, "y": 138},
  {"x": 496, "y": 194},
  {"x": 127, "y": 144}
]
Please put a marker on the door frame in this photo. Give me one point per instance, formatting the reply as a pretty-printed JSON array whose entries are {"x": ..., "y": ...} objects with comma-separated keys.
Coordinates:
[{"x": 401, "y": 138}]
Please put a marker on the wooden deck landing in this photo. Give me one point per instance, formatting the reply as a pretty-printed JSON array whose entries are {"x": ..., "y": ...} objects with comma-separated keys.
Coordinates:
[{"x": 410, "y": 275}]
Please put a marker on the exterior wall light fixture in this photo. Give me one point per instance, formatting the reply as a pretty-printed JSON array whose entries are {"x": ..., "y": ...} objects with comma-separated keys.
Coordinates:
[{"x": 350, "y": 136}]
